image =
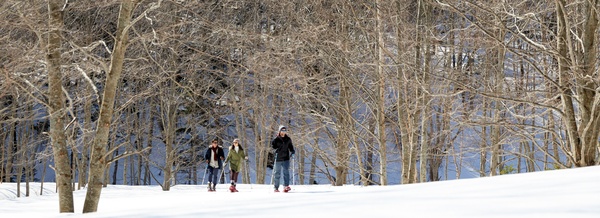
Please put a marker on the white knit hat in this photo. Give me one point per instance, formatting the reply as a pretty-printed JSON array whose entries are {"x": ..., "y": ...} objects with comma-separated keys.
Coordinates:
[{"x": 281, "y": 127}]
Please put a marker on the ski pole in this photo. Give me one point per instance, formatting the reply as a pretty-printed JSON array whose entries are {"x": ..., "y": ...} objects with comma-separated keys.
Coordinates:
[
  {"x": 274, "y": 168},
  {"x": 222, "y": 172},
  {"x": 293, "y": 170},
  {"x": 224, "y": 166},
  {"x": 247, "y": 173},
  {"x": 204, "y": 174}
]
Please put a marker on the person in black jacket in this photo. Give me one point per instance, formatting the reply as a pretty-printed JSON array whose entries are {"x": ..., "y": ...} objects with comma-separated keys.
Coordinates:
[
  {"x": 284, "y": 151},
  {"x": 214, "y": 157}
]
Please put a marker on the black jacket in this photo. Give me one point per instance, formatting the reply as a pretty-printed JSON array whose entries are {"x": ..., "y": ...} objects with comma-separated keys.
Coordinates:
[
  {"x": 220, "y": 156},
  {"x": 283, "y": 148}
]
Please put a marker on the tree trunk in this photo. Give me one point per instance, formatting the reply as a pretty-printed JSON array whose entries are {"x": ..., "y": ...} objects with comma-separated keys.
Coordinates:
[
  {"x": 497, "y": 70},
  {"x": 10, "y": 147},
  {"x": 169, "y": 116},
  {"x": 359, "y": 157},
  {"x": 381, "y": 130},
  {"x": 115, "y": 167},
  {"x": 313, "y": 161},
  {"x": 341, "y": 144},
  {"x": 149, "y": 139},
  {"x": 370, "y": 155},
  {"x": 424, "y": 48},
  {"x": 20, "y": 163},
  {"x": 587, "y": 90},
  {"x": 57, "y": 108},
  {"x": 86, "y": 142},
  {"x": 98, "y": 153},
  {"x": 409, "y": 97},
  {"x": 262, "y": 140},
  {"x": 43, "y": 177},
  {"x": 2, "y": 152},
  {"x": 139, "y": 142},
  {"x": 483, "y": 143},
  {"x": 28, "y": 174}
]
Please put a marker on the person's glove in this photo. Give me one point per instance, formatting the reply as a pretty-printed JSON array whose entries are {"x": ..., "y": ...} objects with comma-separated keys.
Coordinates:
[{"x": 246, "y": 158}]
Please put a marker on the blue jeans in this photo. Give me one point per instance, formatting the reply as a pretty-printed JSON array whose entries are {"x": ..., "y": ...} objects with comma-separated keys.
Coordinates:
[
  {"x": 213, "y": 175},
  {"x": 285, "y": 166}
]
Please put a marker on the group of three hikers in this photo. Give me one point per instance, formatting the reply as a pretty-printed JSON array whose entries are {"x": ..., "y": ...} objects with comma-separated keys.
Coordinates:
[{"x": 215, "y": 157}]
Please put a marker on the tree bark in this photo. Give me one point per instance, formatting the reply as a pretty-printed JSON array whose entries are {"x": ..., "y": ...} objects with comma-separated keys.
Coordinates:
[
  {"x": 381, "y": 130},
  {"x": 590, "y": 114},
  {"x": 498, "y": 84},
  {"x": 341, "y": 145},
  {"x": 57, "y": 108},
  {"x": 98, "y": 152},
  {"x": 10, "y": 147},
  {"x": 583, "y": 137},
  {"x": 168, "y": 119}
]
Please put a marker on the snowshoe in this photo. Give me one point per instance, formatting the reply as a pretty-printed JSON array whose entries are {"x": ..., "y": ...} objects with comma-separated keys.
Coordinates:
[
  {"x": 212, "y": 187},
  {"x": 287, "y": 189}
]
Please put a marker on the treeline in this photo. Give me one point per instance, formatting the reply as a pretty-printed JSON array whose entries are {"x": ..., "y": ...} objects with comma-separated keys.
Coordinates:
[{"x": 373, "y": 92}]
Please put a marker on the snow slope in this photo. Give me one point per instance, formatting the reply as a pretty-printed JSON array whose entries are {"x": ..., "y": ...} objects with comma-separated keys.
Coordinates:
[{"x": 558, "y": 193}]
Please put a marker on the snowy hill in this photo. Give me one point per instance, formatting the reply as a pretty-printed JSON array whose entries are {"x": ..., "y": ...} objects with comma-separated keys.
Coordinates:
[{"x": 559, "y": 193}]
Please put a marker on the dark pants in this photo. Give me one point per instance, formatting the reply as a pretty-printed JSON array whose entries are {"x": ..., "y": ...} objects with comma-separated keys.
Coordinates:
[{"x": 234, "y": 176}]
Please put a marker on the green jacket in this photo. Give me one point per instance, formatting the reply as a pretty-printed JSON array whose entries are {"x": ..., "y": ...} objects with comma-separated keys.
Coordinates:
[{"x": 234, "y": 159}]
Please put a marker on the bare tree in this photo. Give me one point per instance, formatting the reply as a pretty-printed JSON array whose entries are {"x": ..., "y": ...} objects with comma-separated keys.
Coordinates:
[
  {"x": 409, "y": 107},
  {"x": 578, "y": 62},
  {"x": 98, "y": 162},
  {"x": 57, "y": 108},
  {"x": 381, "y": 97}
]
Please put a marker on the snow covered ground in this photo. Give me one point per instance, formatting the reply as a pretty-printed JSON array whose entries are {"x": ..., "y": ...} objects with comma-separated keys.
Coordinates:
[{"x": 558, "y": 193}]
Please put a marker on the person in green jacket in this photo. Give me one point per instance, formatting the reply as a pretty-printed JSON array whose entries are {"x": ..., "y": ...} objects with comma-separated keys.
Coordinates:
[{"x": 235, "y": 157}]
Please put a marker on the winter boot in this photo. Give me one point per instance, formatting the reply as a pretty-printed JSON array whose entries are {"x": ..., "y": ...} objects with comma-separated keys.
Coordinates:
[
  {"x": 214, "y": 187},
  {"x": 210, "y": 187},
  {"x": 287, "y": 189},
  {"x": 276, "y": 189},
  {"x": 232, "y": 187}
]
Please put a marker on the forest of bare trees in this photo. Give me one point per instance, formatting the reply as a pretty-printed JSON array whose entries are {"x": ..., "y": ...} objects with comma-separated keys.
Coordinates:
[{"x": 374, "y": 92}]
